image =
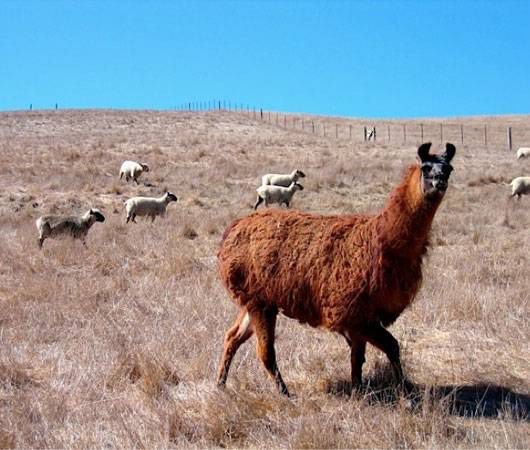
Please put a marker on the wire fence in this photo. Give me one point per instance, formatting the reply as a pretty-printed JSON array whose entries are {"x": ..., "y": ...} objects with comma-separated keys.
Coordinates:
[{"x": 466, "y": 131}]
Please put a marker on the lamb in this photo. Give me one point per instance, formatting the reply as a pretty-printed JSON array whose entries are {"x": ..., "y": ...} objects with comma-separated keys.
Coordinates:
[
  {"x": 77, "y": 227},
  {"x": 352, "y": 274},
  {"x": 148, "y": 206},
  {"x": 282, "y": 180},
  {"x": 520, "y": 186},
  {"x": 132, "y": 170},
  {"x": 277, "y": 194},
  {"x": 523, "y": 152}
]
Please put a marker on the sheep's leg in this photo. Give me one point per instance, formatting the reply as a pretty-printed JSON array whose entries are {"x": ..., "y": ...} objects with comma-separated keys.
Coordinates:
[
  {"x": 258, "y": 202},
  {"x": 240, "y": 332},
  {"x": 121, "y": 175},
  {"x": 40, "y": 241},
  {"x": 384, "y": 341},
  {"x": 264, "y": 322}
]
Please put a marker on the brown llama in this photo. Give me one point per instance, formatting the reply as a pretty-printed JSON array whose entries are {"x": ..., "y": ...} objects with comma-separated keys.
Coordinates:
[{"x": 352, "y": 274}]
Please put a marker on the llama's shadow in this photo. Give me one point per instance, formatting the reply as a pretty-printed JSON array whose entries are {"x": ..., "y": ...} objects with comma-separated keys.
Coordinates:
[{"x": 475, "y": 401}]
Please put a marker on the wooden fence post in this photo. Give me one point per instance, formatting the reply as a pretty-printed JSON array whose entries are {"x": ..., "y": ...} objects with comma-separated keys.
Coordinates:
[
  {"x": 405, "y": 133},
  {"x": 285, "y": 121},
  {"x": 336, "y": 131},
  {"x": 485, "y": 136},
  {"x": 313, "y": 127},
  {"x": 421, "y": 132},
  {"x": 365, "y": 133},
  {"x": 261, "y": 113},
  {"x": 324, "y": 129},
  {"x": 510, "y": 138},
  {"x": 350, "y": 131},
  {"x": 462, "y": 133},
  {"x": 388, "y": 126}
]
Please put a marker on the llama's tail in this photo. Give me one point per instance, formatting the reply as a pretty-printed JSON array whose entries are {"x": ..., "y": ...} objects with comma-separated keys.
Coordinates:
[{"x": 229, "y": 228}]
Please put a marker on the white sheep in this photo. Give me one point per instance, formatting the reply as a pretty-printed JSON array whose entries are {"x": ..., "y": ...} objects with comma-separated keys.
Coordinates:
[
  {"x": 148, "y": 206},
  {"x": 520, "y": 186},
  {"x": 284, "y": 180},
  {"x": 132, "y": 170},
  {"x": 77, "y": 227},
  {"x": 277, "y": 194},
  {"x": 523, "y": 152}
]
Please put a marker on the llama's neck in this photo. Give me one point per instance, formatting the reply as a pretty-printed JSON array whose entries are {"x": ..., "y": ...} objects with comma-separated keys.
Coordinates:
[{"x": 405, "y": 221}]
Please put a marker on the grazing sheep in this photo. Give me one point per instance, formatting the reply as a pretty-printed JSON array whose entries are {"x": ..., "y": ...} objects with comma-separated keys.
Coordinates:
[
  {"x": 352, "y": 274},
  {"x": 148, "y": 206},
  {"x": 523, "y": 152},
  {"x": 277, "y": 179},
  {"x": 277, "y": 194},
  {"x": 77, "y": 227},
  {"x": 520, "y": 186},
  {"x": 132, "y": 170}
]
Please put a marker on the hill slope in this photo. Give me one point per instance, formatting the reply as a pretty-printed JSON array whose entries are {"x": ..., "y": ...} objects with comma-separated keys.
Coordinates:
[{"x": 118, "y": 344}]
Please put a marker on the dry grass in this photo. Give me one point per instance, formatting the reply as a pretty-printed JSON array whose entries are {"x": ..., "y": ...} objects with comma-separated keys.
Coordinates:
[{"x": 117, "y": 345}]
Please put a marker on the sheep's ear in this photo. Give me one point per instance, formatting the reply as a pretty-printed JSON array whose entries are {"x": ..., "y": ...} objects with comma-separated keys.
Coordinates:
[
  {"x": 449, "y": 153},
  {"x": 423, "y": 151}
]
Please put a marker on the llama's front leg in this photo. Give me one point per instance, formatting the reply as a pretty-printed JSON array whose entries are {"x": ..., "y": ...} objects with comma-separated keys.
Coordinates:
[
  {"x": 384, "y": 341},
  {"x": 264, "y": 322},
  {"x": 235, "y": 336}
]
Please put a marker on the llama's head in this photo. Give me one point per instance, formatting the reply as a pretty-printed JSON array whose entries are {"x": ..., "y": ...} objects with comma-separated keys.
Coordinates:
[
  {"x": 145, "y": 167},
  {"x": 435, "y": 170}
]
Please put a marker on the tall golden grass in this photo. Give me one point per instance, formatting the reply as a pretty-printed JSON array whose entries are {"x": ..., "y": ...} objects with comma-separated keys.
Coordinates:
[{"x": 117, "y": 345}]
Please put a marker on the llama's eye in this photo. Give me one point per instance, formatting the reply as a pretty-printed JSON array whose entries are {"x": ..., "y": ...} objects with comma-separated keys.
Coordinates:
[{"x": 426, "y": 169}]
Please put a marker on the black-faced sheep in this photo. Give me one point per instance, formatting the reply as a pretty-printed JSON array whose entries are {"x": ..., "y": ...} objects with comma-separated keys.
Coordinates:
[
  {"x": 132, "y": 170},
  {"x": 148, "y": 206},
  {"x": 77, "y": 227},
  {"x": 277, "y": 194}
]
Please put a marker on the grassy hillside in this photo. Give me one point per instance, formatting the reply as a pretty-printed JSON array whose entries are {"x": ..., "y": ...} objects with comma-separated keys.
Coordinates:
[{"x": 118, "y": 344}]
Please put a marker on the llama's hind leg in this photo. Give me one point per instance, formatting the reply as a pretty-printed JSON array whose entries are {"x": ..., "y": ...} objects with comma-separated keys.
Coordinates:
[
  {"x": 384, "y": 341},
  {"x": 358, "y": 349},
  {"x": 264, "y": 322},
  {"x": 235, "y": 336}
]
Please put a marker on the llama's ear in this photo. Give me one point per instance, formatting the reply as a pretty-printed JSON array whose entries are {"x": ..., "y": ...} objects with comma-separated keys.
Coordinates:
[
  {"x": 450, "y": 151},
  {"x": 423, "y": 151}
]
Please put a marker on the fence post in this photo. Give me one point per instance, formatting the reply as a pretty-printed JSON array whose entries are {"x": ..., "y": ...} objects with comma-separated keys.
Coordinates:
[
  {"x": 388, "y": 126},
  {"x": 365, "y": 133},
  {"x": 219, "y": 105},
  {"x": 261, "y": 113},
  {"x": 336, "y": 131},
  {"x": 285, "y": 121},
  {"x": 324, "y": 129},
  {"x": 485, "y": 136},
  {"x": 350, "y": 131},
  {"x": 462, "y": 133},
  {"x": 510, "y": 138},
  {"x": 421, "y": 132},
  {"x": 405, "y": 133},
  {"x": 313, "y": 127}
]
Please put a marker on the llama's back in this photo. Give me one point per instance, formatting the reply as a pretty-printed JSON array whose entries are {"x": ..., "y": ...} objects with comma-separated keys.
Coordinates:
[{"x": 302, "y": 263}]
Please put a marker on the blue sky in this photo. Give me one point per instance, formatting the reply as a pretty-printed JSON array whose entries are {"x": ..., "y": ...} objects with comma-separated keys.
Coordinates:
[{"x": 360, "y": 59}]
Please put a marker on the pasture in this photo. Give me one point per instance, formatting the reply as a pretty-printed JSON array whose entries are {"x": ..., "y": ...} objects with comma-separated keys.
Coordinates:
[{"x": 118, "y": 345}]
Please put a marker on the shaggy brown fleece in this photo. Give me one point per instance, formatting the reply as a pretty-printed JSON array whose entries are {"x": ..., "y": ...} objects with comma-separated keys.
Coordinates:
[{"x": 349, "y": 274}]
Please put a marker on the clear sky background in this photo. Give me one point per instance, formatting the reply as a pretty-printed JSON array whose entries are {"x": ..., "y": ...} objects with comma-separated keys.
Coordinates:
[{"x": 347, "y": 58}]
